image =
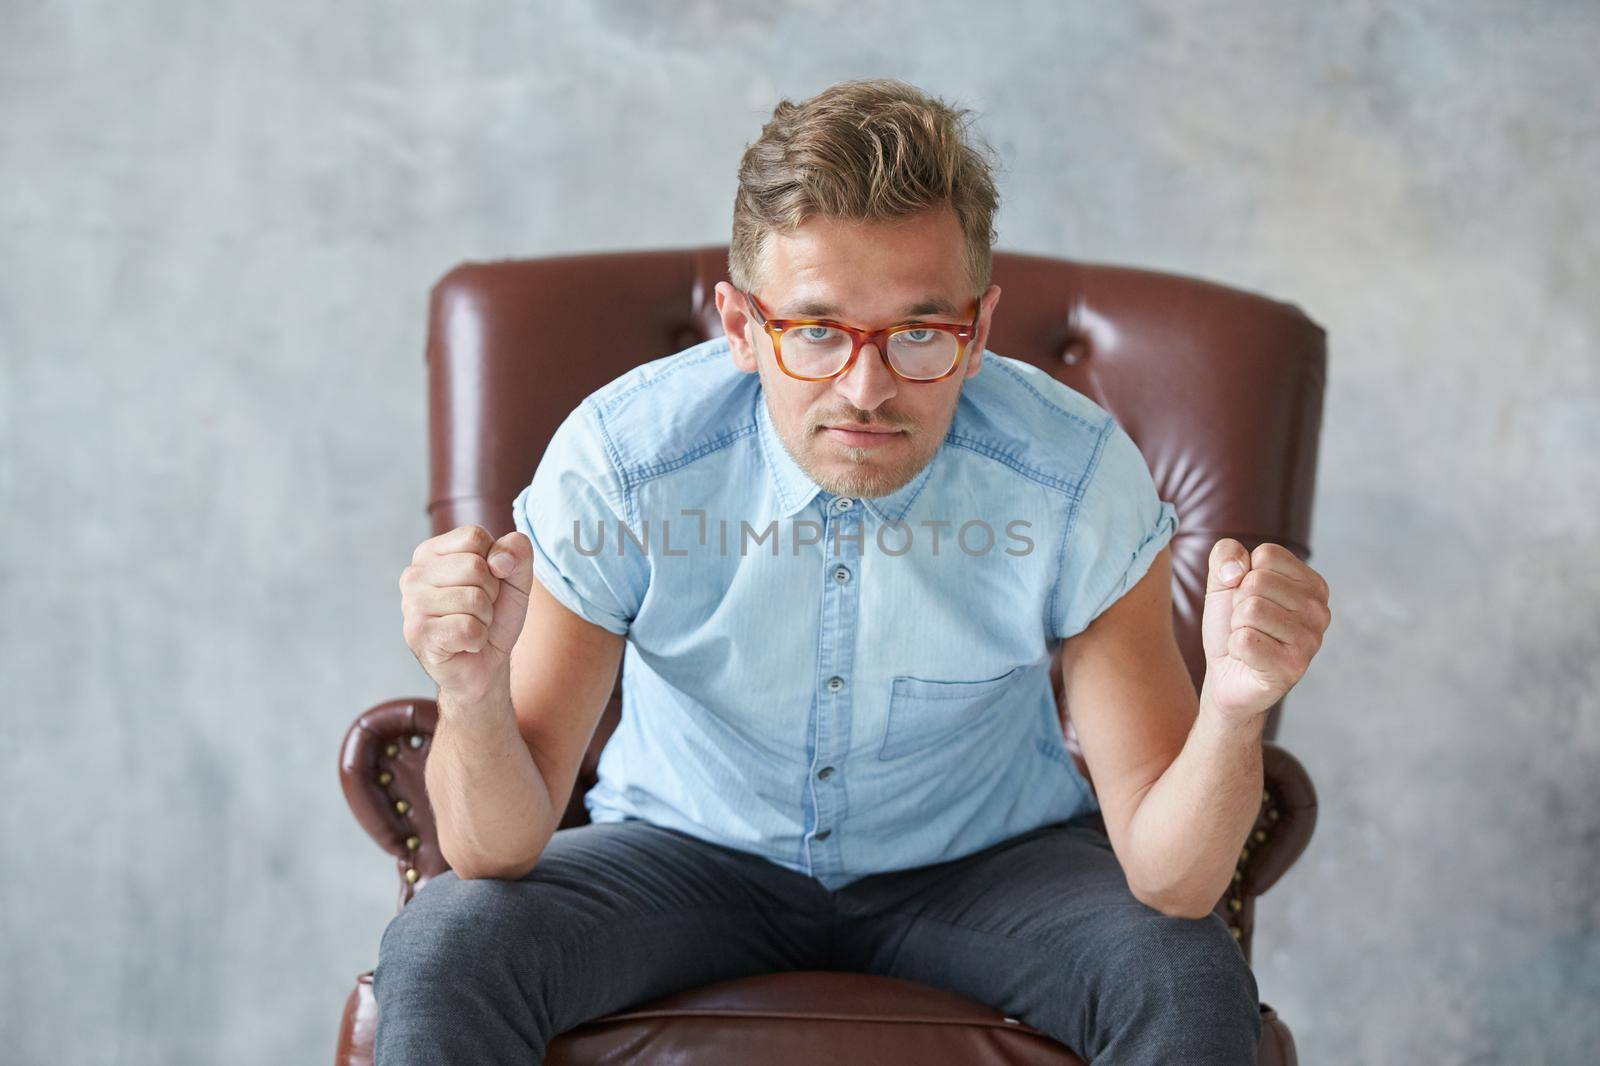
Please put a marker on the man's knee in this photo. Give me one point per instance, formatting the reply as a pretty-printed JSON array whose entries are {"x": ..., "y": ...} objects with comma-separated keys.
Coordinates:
[
  {"x": 1177, "y": 984},
  {"x": 455, "y": 931},
  {"x": 1184, "y": 956},
  {"x": 465, "y": 972}
]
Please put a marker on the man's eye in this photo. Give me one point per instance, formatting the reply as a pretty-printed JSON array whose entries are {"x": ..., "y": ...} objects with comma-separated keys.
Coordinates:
[
  {"x": 815, "y": 334},
  {"x": 919, "y": 336}
]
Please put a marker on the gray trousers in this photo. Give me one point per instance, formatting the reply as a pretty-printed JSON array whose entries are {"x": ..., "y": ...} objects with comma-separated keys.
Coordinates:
[{"x": 1041, "y": 926}]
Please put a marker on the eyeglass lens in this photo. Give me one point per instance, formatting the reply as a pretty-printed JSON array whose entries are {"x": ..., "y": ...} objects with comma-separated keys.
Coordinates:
[{"x": 819, "y": 351}]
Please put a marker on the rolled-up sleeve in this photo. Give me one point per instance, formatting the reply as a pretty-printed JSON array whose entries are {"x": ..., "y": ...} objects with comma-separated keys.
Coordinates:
[
  {"x": 573, "y": 511},
  {"x": 1120, "y": 525}
]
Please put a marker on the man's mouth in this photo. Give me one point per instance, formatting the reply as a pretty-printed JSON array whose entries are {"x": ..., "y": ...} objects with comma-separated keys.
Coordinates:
[{"x": 858, "y": 435}]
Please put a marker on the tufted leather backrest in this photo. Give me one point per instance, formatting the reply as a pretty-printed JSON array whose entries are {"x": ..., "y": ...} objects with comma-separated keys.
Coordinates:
[{"x": 1221, "y": 388}]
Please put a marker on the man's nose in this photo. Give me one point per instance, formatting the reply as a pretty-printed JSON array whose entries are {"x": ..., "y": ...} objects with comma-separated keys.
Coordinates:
[{"x": 869, "y": 382}]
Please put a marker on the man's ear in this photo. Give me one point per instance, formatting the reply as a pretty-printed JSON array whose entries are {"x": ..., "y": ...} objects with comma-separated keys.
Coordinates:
[
  {"x": 980, "y": 339},
  {"x": 738, "y": 325}
]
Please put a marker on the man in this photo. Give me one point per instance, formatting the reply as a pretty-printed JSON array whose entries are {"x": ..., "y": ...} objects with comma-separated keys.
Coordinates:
[{"x": 837, "y": 548}]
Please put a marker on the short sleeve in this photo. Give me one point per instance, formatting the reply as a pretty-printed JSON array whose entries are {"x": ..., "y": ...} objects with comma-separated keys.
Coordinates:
[
  {"x": 1120, "y": 525},
  {"x": 574, "y": 512}
]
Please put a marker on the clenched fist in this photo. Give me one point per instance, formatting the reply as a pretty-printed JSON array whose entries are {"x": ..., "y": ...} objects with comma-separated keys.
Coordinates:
[
  {"x": 1264, "y": 618},
  {"x": 464, "y": 598}
]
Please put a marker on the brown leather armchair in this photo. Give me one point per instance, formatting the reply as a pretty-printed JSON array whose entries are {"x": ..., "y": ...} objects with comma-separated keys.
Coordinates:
[{"x": 1221, "y": 388}]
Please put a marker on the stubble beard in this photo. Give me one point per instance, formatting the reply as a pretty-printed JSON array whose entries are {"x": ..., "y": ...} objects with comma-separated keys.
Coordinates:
[{"x": 864, "y": 477}]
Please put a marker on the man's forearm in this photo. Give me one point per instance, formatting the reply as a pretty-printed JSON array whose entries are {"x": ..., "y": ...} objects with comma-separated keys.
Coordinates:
[
  {"x": 490, "y": 801},
  {"x": 1186, "y": 833}
]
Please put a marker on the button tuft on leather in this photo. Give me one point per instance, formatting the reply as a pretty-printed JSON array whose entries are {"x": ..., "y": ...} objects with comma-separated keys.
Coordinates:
[{"x": 1076, "y": 351}]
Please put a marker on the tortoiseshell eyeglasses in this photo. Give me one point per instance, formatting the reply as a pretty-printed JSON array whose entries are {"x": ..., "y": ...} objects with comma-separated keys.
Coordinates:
[{"x": 820, "y": 349}]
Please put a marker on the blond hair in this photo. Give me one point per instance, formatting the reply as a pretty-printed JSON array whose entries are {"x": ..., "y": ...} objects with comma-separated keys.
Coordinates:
[{"x": 864, "y": 150}]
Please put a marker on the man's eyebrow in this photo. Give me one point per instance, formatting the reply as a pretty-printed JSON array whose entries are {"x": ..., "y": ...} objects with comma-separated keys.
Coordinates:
[{"x": 929, "y": 305}]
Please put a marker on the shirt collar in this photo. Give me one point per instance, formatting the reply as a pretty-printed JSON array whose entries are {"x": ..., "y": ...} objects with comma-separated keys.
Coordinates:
[
  {"x": 893, "y": 507},
  {"x": 794, "y": 488}
]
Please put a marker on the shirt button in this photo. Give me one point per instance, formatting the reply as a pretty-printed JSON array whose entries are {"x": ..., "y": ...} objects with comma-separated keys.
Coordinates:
[
  {"x": 825, "y": 773},
  {"x": 842, "y": 504},
  {"x": 823, "y": 835},
  {"x": 841, "y": 574},
  {"x": 835, "y": 684}
]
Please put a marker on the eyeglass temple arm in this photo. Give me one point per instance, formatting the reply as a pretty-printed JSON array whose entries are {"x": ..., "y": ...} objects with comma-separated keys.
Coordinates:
[{"x": 750, "y": 297}]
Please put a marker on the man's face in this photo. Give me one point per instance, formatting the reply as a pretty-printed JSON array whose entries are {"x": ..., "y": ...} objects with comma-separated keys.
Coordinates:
[{"x": 866, "y": 432}]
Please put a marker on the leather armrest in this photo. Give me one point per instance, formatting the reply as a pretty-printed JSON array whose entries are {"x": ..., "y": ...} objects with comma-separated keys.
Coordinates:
[
  {"x": 1284, "y": 826},
  {"x": 381, "y": 768}
]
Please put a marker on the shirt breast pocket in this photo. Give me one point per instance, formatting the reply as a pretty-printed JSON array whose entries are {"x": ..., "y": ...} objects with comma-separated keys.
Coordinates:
[{"x": 923, "y": 714}]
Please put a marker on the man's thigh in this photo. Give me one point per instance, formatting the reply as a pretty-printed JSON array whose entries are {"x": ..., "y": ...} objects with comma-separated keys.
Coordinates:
[
  {"x": 1044, "y": 928},
  {"x": 613, "y": 914}
]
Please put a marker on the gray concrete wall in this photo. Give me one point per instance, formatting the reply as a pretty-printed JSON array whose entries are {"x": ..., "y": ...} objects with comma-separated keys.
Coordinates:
[{"x": 218, "y": 225}]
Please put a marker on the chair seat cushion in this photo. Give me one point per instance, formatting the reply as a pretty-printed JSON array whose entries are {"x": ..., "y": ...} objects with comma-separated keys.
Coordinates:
[
  {"x": 809, "y": 1016},
  {"x": 795, "y": 1017}
]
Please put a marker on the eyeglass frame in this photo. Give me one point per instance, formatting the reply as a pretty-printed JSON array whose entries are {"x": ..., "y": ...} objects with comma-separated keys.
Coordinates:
[{"x": 776, "y": 327}]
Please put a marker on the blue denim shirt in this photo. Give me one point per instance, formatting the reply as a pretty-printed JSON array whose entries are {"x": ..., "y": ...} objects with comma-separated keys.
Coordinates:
[{"x": 844, "y": 686}]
